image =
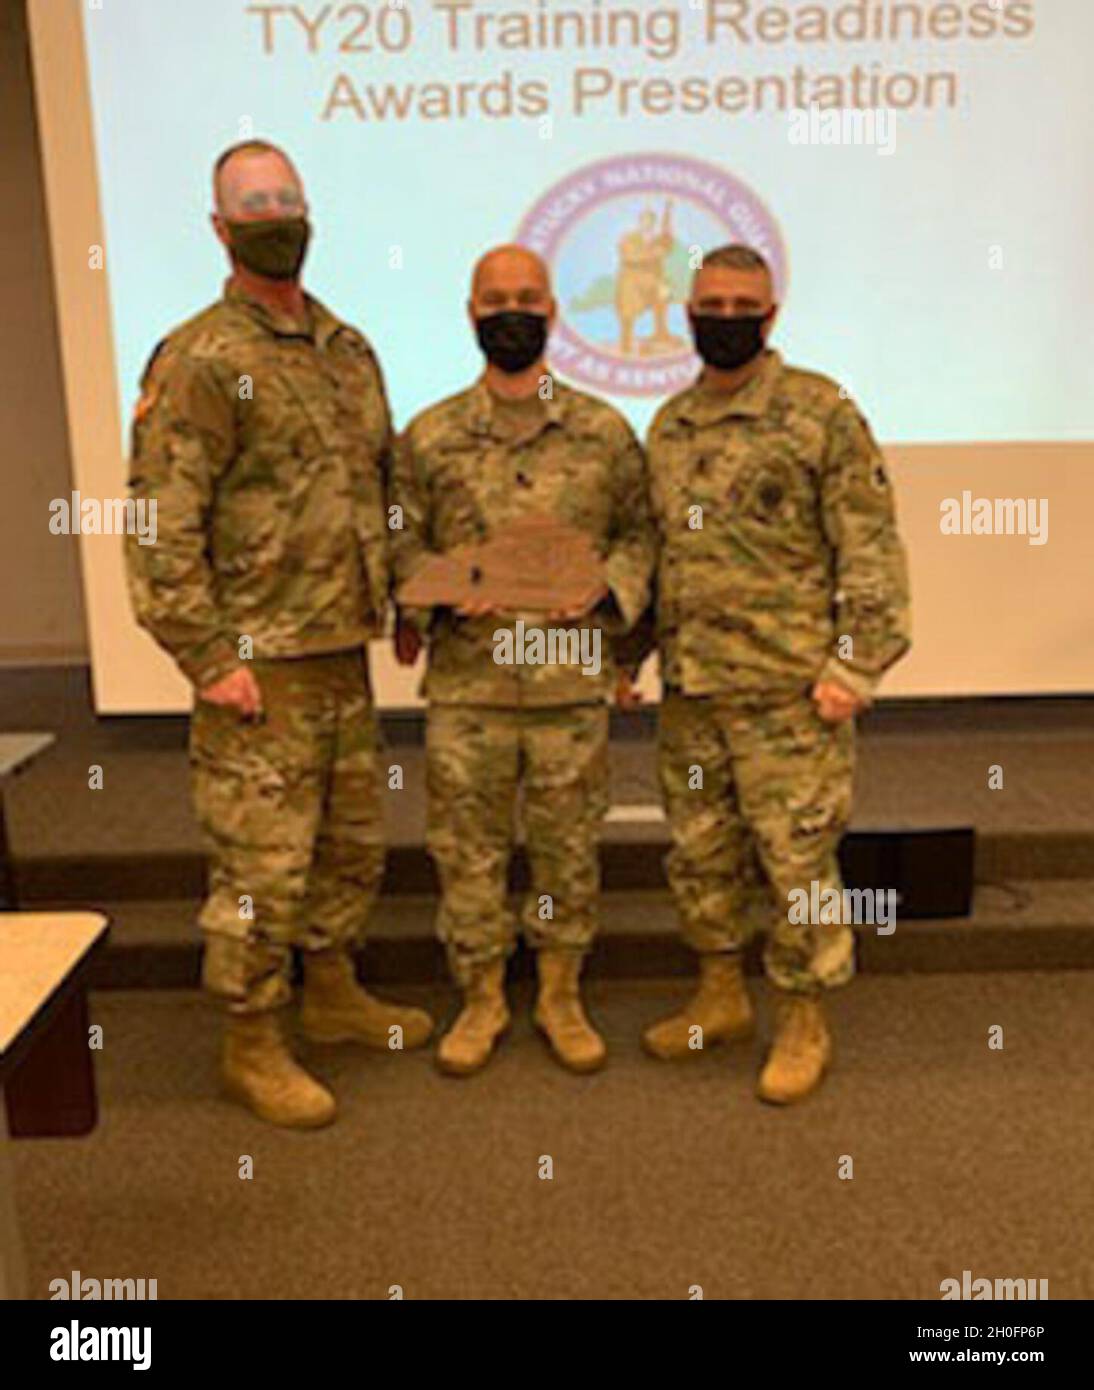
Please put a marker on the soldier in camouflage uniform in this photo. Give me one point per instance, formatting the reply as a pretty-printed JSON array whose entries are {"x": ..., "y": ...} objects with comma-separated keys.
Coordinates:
[
  {"x": 518, "y": 442},
  {"x": 261, "y": 436},
  {"x": 782, "y": 599}
]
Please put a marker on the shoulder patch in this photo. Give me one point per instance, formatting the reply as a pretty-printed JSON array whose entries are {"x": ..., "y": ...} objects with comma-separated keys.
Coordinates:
[
  {"x": 147, "y": 400},
  {"x": 150, "y": 388}
]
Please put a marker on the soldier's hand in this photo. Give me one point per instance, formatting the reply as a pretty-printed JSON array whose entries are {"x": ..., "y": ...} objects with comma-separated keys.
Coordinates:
[
  {"x": 239, "y": 690},
  {"x": 627, "y": 694},
  {"x": 835, "y": 703},
  {"x": 408, "y": 642}
]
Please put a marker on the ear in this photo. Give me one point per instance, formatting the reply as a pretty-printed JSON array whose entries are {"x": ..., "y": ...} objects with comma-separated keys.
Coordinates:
[
  {"x": 220, "y": 227},
  {"x": 769, "y": 322},
  {"x": 552, "y": 313}
]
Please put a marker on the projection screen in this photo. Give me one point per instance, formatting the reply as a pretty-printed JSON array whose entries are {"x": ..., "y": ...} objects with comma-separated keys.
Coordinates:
[{"x": 919, "y": 174}]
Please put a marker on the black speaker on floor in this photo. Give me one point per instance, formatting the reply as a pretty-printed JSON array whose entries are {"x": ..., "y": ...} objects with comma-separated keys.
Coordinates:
[{"x": 931, "y": 870}]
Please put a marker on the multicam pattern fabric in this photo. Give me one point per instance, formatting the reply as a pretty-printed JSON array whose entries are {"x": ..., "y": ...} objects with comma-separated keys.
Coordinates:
[{"x": 265, "y": 448}]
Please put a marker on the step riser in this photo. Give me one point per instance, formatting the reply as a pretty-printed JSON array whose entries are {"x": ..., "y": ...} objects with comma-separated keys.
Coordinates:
[{"x": 625, "y": 867}]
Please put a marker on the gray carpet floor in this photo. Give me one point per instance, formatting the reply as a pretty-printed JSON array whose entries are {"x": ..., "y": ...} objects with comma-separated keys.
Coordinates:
[{"x": 664, "y": 1176}]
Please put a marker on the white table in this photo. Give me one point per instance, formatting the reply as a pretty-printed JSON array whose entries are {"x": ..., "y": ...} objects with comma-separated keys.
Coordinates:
[{"x": 46, "y": 1076}]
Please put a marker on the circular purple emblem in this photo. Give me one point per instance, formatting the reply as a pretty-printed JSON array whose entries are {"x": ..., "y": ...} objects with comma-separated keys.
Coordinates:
[{"x": 622, "y": 238}]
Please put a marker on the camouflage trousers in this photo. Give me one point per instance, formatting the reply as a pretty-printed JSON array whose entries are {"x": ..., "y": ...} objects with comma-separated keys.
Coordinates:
[
  {"x": 758, "y": 794},
  {"x": 480, "y": 763},
  {"x": 291, "y": 814}
]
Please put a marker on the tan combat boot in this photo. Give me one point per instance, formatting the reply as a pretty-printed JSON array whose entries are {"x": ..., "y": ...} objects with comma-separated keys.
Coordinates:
[
  {"x": 260, "y": 1072},
  {"x": 335, "y": 1008},
  {"x": 483, "y": 1019},
  {"x": 720, "y": 1007},
  {"x": 559, "y": 1012},
  {"x": 800, "y": 1052}
]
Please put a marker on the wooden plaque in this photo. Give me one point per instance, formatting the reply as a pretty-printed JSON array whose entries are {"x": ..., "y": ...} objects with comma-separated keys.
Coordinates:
[{"x": 539, "y": 564}]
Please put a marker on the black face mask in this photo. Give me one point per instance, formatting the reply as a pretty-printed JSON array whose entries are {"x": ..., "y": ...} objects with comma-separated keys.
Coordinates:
[
  {"x": 512, "y": 340},
  {"x": 727, "y": 343}
]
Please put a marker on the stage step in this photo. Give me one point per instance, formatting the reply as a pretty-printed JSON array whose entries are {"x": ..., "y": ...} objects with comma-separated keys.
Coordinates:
[
  {"x": 917, "y": 768},
  {"x": 631, "y": 858},
  {"x": 1035, "y": 924}
]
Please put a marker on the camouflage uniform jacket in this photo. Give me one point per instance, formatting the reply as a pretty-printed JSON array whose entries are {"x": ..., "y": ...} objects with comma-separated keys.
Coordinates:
[
  {"x": 265, "y": 449},
  {"x": 458, "y": 477},
  {"x": 777, "y": 539}
]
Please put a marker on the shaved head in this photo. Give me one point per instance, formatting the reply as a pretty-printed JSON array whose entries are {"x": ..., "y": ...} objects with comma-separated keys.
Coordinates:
[
  {"x": 510, "y": 279},
  {"x": 510, "y": 289},
  {"x": 509, "y": 262}
]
